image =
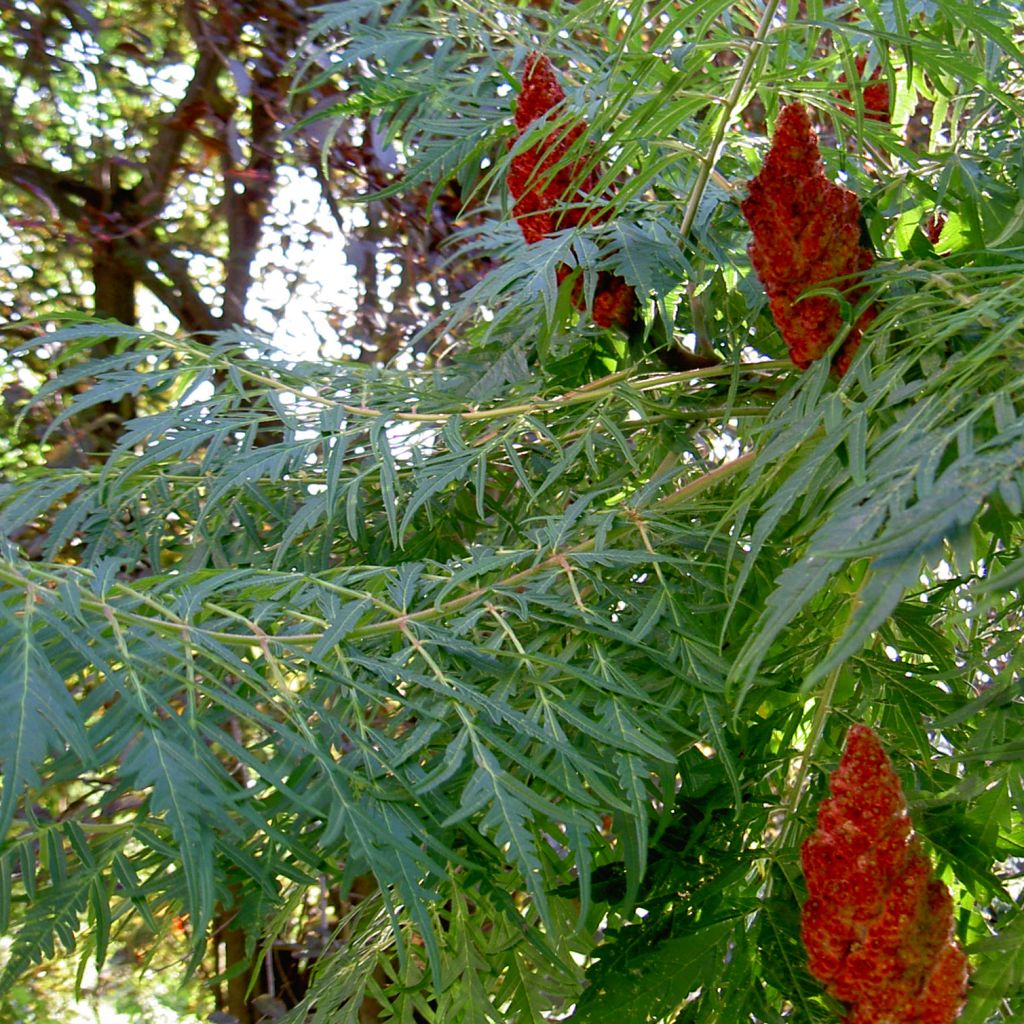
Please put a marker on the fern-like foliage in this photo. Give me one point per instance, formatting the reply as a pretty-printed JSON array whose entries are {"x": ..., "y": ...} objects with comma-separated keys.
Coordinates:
[{"x": 551, "y": 646}]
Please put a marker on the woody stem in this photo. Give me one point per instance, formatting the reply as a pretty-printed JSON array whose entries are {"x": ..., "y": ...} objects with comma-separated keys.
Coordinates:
[
  {"x": 821, "y": 712},
  {"x": 707, "y": 166}
]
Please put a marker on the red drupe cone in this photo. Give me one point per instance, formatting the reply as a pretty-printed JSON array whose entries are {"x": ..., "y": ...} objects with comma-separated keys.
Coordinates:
[
  {"x": 540, "y": 179},
  {"x": 876, "y": 926},
  {"x": 874, "y": 91},
  {"x": 806, "y": 232},
  {"x": 932, "y": 226},
  {"x": 550, "y": 192}
]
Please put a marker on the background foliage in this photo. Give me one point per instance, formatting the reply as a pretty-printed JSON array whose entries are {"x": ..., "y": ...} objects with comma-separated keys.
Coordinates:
[{"x": 503, "y": 686}]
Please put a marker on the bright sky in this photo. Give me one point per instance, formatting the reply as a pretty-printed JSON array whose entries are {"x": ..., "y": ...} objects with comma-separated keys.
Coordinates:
[
  {"x": 329, "y": 280},
  {"x": 297, "y": 320}
]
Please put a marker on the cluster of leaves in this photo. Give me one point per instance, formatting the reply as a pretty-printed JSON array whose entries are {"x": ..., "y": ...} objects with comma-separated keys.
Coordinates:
[
  {"x": 548, "y": 646},
  {"x": 671, "y": 163}
]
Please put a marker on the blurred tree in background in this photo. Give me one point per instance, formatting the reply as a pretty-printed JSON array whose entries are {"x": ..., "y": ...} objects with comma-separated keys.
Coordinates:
[
  {"x": 156, "y": 163},
  {"x": 472, "y": 660}
]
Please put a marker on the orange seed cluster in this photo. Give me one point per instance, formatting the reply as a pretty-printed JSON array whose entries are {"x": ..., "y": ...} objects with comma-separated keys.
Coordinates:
[
  {"x": 551, "y": 190},
  {"x": 806, "y": 233},
  {"x": 875, "y": 92},
  {"x": 876, "y": 926}
]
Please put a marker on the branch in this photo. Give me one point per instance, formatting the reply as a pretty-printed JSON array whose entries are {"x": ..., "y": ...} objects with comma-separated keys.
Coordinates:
[
  {"x": 248, "y": 190},
  {"x": 165, "y": 153},
  {"x": 69, "y": 199},
  {"x": 707, "y": 165},
  {"x": 246, "y": 204},
  {"x": 181, "y": 297},
  {"x": 329, "y": 198},
  {"x": 58, "y": 190}
]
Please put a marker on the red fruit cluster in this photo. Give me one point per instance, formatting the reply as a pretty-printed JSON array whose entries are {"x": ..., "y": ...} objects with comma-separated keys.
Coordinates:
[
  {"x": 875, "y": 93},
  {"x": 876, "y": 926},
  {"x": 932, "y": 226},
  {"x": 806, "y": 232},
  {"x": 551, "y": 190}
]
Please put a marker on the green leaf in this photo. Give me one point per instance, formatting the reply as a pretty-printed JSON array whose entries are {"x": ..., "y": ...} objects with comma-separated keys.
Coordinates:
[
  {"x": 998, "y": 971},
  {"x": 40, "y": 715},
  {"x": 184, "y": 792},
  {"x": 655, "y": 981}
]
